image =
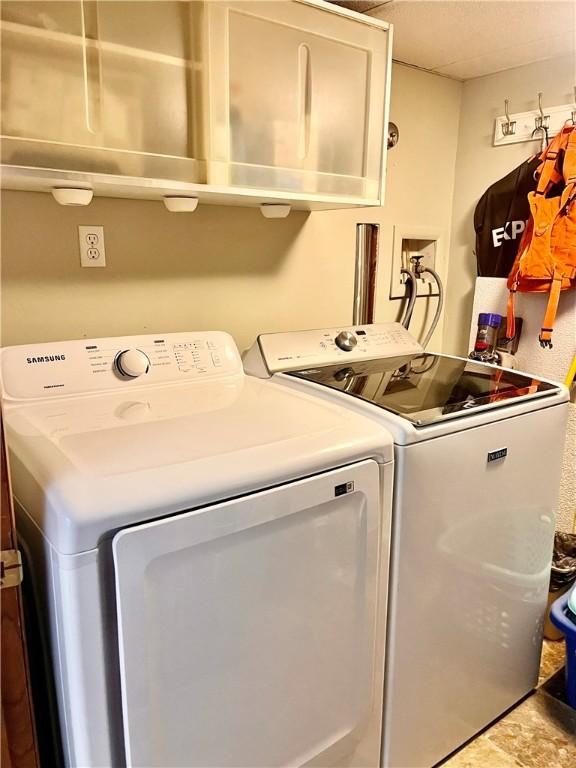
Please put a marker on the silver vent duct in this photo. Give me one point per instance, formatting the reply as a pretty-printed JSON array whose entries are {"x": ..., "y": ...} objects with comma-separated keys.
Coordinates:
[{"x": 365, "y": 273}]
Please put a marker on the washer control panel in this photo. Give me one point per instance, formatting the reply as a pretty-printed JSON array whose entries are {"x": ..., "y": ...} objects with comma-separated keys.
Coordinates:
[
  {"x": 276, "y": 352},
  {"x": 38, "y": 371}
]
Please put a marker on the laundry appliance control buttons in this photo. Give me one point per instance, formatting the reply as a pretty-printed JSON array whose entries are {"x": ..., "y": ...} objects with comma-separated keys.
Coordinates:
[
  {"x": 132, "y": 363},
  {"x": 346, "y": 341}
]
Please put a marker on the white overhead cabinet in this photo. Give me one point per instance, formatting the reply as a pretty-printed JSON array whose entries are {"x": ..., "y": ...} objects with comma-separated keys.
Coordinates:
[
  {"x": 297, "y": 99},
  {"x": 243, "y": 102},
  {"x": 107, "y": 87}
]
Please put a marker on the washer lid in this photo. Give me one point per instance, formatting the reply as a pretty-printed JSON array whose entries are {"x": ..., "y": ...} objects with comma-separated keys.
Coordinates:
[
  {"x": 85, "y": 466},
  {"x": 426, "y": 389}
]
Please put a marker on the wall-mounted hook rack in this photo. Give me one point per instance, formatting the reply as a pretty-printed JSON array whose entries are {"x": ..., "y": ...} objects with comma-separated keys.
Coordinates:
[
  {"x": 527, "y": 123},
  {"x": 574, "y": 110}
]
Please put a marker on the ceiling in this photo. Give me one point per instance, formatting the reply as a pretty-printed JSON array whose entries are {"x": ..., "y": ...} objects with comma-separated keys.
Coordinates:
[{"x": 470, "y": 38}]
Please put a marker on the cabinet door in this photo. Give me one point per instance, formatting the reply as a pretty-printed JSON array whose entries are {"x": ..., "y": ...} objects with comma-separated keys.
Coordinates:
[
  {"x": 43, "y": 94},
  {"x": 150, "y": 83},
  {"x": 18, "y": 745},
  {"x": 297, "y": 99},
  {"x": 103, "y": 86},
  {"x": 247, "y": 628}
]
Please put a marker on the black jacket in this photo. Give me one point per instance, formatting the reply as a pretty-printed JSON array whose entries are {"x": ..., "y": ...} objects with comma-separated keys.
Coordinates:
[{"x": 500, "y": 219}]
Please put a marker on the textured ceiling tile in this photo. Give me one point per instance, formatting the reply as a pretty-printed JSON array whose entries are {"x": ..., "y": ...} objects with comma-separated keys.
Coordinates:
[
  {"x": 508, "y": 58},
  {"x": 362, "y": 6},
  {"x": 470, "y": 38}
]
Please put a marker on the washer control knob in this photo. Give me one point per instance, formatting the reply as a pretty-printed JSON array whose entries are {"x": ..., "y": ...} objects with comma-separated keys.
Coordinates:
[
  {"x": 132, "y": 363},
  {"x": 346, "y": 341}
]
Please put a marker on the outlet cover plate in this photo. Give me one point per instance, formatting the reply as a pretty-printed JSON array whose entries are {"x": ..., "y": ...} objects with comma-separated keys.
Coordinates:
[{"x": 92, "y": 251}]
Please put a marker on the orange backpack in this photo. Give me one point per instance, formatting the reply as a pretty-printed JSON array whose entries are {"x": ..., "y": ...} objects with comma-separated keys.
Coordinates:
[{"x": 546, "y": 258}]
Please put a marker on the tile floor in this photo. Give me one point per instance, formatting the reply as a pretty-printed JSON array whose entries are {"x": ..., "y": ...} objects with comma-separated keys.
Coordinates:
[{"x": 538, "y": 733}]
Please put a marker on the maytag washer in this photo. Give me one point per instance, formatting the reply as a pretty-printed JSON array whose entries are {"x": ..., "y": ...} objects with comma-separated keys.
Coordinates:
[
  {"x": 209, "y": 555},
  {"x": 477, "y": 468}
]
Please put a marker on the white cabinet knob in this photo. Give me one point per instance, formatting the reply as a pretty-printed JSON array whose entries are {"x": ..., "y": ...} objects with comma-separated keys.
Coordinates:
[{"x": 132, "y": 363}]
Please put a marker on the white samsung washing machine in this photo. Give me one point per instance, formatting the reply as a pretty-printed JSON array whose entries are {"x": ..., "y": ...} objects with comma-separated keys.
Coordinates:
[
  {"x": 209, "y": 552},
  {"x": 477, "y": 469}
]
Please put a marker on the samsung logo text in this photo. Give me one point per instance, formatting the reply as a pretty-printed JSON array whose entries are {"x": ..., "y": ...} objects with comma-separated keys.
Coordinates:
[{"x": 45, "y": 359}]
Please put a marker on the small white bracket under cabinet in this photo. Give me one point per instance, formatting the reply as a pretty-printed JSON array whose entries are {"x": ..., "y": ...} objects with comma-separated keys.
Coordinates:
[{"x": 525, "y": 123}]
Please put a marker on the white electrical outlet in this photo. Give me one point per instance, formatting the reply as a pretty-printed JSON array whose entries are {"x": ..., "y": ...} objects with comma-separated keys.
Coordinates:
[{"x": 92, "y": 253}]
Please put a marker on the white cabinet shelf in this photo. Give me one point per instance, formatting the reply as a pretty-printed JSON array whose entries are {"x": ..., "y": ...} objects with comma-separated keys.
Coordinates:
[
  {"x": 138, "y": 188},
  {"x": 232, "y": 101}
]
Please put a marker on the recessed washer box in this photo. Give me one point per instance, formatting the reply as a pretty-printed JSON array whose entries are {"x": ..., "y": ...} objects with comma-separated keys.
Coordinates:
[{"x": 412, "y": 241}]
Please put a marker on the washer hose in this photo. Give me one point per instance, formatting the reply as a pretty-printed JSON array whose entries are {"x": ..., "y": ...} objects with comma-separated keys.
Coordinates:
[
  {"x": 438, "y": 312},
  {"x": 412, "y": 299}
]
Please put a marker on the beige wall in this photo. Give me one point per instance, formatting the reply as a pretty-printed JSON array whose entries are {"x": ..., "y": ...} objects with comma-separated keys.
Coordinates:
[
  {"x": 479, "y": 165},
  {"x": 223, "y": 267}
]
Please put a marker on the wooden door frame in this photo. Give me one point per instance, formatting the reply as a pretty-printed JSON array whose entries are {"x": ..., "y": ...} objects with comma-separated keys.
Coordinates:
[{"x": 19, "y": 746}]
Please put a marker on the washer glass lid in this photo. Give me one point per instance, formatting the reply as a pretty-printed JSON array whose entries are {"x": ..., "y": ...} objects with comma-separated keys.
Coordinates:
[{"x": 427, "y": 388}]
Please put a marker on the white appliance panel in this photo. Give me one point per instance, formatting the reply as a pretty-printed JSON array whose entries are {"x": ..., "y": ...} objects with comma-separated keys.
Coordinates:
[
  {"x": 472, "y": 542},
  {"x": 247, "y": 629},
  {"x": 54, "y": 369},
  {"x": 86, "y": 465},
  {"x": 274, "y": 352}
]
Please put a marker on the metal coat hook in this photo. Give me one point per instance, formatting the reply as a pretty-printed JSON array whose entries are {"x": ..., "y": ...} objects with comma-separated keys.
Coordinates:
[
  {"x": 543, "y": 131},
  {"x": 542, "y": 120},
  {"x": 573, "y": 113},
  {"x": 509, "y": 127}
]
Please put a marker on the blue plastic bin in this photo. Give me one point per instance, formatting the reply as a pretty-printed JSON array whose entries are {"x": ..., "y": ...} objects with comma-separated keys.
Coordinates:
[{"x": 558, "y": 615}]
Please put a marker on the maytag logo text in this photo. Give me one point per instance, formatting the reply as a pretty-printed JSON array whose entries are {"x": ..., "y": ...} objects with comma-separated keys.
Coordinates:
[{"x": 501, "y": 453}]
